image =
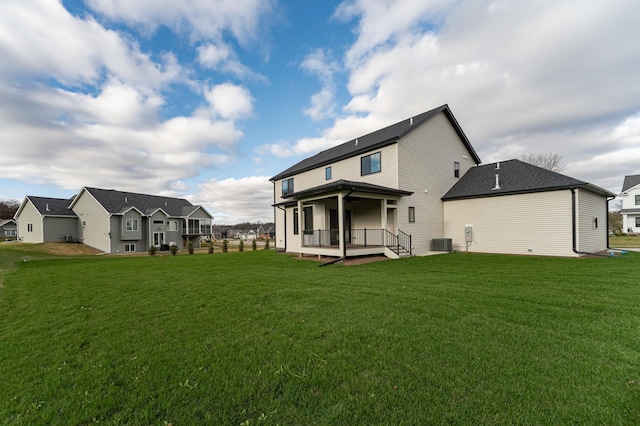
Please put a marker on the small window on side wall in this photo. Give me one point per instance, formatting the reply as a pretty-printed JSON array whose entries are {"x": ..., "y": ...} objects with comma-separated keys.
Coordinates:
[
  {"x": 327, "y": 173},
  {"x": 595, "y": 223},
  {"x": 456, "y": 169},
  {"x": 295, "y": 221},
  {"x": 412, "y": 214}
]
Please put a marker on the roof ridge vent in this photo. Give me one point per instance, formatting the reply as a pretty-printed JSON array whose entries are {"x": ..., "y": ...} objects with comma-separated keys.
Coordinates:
[
  {"x": 356, "y": 141},
  {"x": 497, "y": 183},
  {"x": 498, "y": 165}
]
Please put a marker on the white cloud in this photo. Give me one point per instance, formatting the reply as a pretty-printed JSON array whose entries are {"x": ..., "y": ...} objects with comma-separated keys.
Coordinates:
[
  {"x": 244, "y": 19},
  {"x": 224, "y": 59},
  {"x": 233, "y": 201},
  {"x": 320, "y": 64},
  {"x": 229, "y": 101}
]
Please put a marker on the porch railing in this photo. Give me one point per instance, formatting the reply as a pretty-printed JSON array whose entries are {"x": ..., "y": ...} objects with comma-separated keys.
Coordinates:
[
  {"x": 198, "y": 230},
  {"x": 398, "y": 244},
  {"x": 365, "y": 237}
]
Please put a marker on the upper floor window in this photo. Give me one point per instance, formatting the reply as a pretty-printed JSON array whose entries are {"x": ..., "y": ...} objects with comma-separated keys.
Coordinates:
[
  {"x": 287, "y": 186},
  {"x": 456, "y": 169},
  {"x": 173, "y": 225},
  {"x": 131, "y": 225},
  {"x": 327, "y": 173},
  {"x": 637, "y": 200},
  {"x": 370, "y": 164}
]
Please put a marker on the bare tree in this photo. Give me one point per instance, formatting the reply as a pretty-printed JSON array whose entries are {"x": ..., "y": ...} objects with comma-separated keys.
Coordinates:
[
  {"x": 551, "y": 162},
  {"x": 8, "y": 208}
]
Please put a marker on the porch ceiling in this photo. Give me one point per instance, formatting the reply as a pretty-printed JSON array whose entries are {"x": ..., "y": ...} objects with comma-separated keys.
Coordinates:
[{"x": 347, "y": 185}]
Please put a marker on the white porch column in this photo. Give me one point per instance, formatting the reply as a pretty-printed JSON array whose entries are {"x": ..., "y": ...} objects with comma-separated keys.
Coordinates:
[
  {"x": 341, "y": 224},
  {"x": 300, "y": 228},
  {"x": 383, "y": 215}
]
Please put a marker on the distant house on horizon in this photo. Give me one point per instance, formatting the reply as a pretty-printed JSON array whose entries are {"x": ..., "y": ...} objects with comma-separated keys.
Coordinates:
[
  {"x": 113, "y": 221},
  {"x": 631, "y": 204},
  {"x": 8, "y": 229}
]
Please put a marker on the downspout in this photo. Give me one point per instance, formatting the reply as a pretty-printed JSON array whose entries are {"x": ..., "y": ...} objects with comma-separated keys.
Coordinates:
[
  {"x": 285, "y": 229},
  {"x": 607, "y": 219},
  {"x": 574, "y": 226}
]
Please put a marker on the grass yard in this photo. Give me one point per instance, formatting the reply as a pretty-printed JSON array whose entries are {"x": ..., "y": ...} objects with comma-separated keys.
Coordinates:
[
  {"x": 257, "y": 338},
  {"x": 624, "y": 241}
]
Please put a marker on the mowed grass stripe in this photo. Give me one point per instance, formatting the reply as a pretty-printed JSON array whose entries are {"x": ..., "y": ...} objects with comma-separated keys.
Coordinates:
[{"x": 260, "y": 338}]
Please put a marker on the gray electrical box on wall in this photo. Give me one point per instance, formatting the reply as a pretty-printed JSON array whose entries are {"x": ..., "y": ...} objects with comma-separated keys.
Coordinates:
[{"x": 468, "y": 233}]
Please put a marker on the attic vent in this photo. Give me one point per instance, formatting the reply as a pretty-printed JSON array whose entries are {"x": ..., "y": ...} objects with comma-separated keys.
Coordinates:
[
  {"x": 356, "y": 142},
  {"x": 165, "y": 204},
  {"x": 47, "y": 207},
  {"x": 125, "y": 200},
  {"x": 497, "y": 183},
  {"x": 411, "y": 121},
  {"x": 498, "y": 165}
]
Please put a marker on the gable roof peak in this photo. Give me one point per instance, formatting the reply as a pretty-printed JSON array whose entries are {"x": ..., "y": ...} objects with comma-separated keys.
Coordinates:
[{"x": 630, "y": 181}]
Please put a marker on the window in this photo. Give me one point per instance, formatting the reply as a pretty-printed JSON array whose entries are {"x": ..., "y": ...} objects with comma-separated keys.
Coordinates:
[
  {"x": 129, "y": 248},
  {"x": 308, "y": 220},
  {"x": 173, "y": 225},
  {"x": 10, "y": 232},
  {"x": 29, "y": 227},
  {"x": 131, "y": 225},
  {"x": 370, "y": 164},
  {"x": 637, "y": 200},
  {"x": 159, "y": 222},
  {"x": 327, "y": 173},
  {"x": 295, "y": 221},
  {"x": 595, "y": 223},
  {"x": 637, "y": 221},
  {"x": 456, "y": 169},
  {"x": 412, "y": 214},
  {"x": 287, "y": 186}
]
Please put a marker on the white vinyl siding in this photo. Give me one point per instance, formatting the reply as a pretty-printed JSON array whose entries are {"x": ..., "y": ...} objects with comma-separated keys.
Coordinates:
[
  {"x": 30, "y": 224},
  {"x": 427, "y": 156},
  {"x": 349, "y": 169},
  {"x": 97, "y": 226},
  {"x": 537, "y": 224},
  {"x": 591, "y": 206}
]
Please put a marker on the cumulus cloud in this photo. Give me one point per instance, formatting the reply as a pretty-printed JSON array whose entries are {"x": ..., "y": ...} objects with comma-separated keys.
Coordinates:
[
  {"x": 223, "y": 58},
  {"x": 521, "y": 77},
  {"x": 233, "y": 201},
  {"x": 320, "y": 64},
  {"x": 229, "y": 101}
]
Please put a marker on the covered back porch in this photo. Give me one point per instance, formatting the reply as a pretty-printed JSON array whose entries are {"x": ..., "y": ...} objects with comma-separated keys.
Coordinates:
[{"x": 347, "y": 219}]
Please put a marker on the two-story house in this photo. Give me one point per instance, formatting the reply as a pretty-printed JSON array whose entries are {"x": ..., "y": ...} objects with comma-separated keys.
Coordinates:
[
  {"x": 631, "y": 204},
  {"x": 406, "y": 189},
  {"x": 113, "y": 221}
]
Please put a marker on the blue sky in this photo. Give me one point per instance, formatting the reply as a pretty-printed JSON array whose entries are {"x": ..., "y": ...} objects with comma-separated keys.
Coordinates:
[{"x": 209, "y": 99}]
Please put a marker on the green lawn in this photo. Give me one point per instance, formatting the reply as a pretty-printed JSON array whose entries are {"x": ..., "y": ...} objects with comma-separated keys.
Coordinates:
[
  {"x": 262, "y": 338},
  {"x": 625, "y": 241}
]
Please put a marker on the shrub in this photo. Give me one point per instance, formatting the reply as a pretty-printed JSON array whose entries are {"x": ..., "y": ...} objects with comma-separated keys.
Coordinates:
[
  {"x": 173, "y": 249},
  {"x": 254, "y": 245},
  {"x": 190, "y": 247},
  {"x": 225, "y": 246},
  {"x": 210, "y": 247},
  {"x": 152, "y": 250},
  {"x": 266, "y": 244},
  {"x": 241, "y": 246}
]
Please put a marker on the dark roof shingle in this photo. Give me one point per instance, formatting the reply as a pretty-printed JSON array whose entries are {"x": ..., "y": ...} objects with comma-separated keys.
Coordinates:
[
  {"x": 52, "y": 206},
  {"x": 514, "y": 176},
  {"x": 630, "y": 181},
  {"x": 117, "y": 202},
  {"x": 377, "y": 139}
]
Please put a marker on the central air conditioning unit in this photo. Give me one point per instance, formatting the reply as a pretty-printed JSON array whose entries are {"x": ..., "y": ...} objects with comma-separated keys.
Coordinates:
[{"x": 441, "y": 244}]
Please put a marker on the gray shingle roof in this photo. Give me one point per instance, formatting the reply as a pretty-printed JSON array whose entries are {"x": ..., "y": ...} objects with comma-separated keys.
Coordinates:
[
  {"x": 515, "y": 177},
  {"x": 117, "y": 202},
  {"x": 345, "y": 185},
  {"x": 52, "y": 206},
  {"x": 377, "y": 139},
  {"x": 630, "y": 181}
]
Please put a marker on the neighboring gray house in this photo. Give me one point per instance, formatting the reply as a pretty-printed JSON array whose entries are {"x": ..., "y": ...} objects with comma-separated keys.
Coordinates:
[
  {"x": 114, "y": 221},
  {"x": 45, "y": 219},
  {"x": 631, "y": 204},
  {"x": 517, "y": 208},
  {"x": 382, "y": 193},
  {"x": 8, "y": 229}
]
